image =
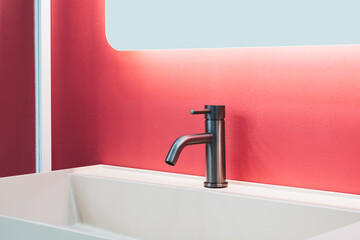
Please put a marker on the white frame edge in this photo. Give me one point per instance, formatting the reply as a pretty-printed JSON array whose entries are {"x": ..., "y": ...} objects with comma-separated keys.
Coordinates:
[{"x": 43, "y": 84}]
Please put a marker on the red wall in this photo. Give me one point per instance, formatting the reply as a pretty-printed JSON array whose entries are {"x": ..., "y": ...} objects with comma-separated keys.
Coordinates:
[
  {"x": 17, "y": 87},
  {"x": 293, "y": 113}
]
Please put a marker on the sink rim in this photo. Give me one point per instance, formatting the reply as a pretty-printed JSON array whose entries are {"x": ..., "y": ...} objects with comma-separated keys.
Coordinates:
[{"x": 317, "y": 198}]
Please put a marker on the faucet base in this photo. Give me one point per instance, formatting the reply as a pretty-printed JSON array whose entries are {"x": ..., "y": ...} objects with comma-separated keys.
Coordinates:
[{"x": 215, "y": 185}]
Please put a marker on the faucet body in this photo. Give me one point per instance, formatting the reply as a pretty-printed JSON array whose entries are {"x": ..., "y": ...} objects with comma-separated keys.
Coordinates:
[{"x": 214, "y": 140}]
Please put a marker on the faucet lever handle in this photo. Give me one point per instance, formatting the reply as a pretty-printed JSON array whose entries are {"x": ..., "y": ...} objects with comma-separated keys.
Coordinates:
[
  {"x": 204, "y": 111},
  {"x": 212, "y": 112}
]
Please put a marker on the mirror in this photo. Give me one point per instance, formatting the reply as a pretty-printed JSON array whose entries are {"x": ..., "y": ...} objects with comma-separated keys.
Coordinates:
[{"x": 164, "y": 24}]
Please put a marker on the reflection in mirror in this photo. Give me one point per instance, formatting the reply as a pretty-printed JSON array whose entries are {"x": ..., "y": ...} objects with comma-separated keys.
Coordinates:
[{"x": 164, "y": 24}]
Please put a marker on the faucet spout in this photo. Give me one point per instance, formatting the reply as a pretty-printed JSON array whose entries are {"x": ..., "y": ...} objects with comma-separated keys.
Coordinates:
[
  {"x": 214, "y": 139},
  {"x": 184, "y": 141}
]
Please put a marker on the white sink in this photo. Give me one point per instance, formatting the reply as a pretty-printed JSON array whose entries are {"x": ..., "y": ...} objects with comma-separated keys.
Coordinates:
[{"x": 104, "y": 202}]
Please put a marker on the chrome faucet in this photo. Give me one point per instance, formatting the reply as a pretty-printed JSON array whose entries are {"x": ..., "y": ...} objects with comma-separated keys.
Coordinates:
[{"x": 214, "y": 138}]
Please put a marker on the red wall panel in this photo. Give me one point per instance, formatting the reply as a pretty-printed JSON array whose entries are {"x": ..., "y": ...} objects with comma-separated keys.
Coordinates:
[
  {"x": 292, "y": 112},
  {"x": 17, "y": 87}
]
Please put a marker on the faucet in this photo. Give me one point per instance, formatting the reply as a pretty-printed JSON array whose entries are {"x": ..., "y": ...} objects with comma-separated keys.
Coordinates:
[{"x": 214, "y": 139}]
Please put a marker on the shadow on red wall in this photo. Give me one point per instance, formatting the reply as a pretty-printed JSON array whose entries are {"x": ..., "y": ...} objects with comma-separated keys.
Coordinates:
[
  {"x": 17, "y": 86},
  {"x": 292, "y": 112}
]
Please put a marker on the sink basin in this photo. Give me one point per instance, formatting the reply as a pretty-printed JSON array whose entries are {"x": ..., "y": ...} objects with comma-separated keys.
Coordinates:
[{"x": 105, "y": 202}]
